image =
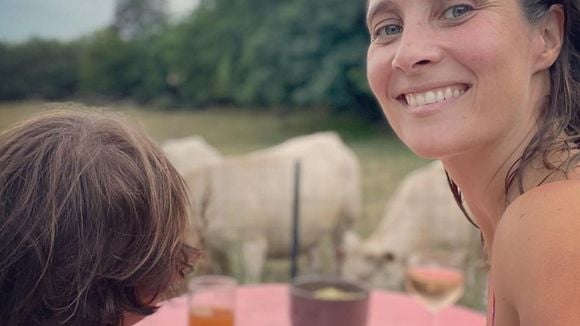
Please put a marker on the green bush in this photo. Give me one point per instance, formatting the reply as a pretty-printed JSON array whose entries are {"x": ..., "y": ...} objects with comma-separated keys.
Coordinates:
[{"x": 38, "y": 69}]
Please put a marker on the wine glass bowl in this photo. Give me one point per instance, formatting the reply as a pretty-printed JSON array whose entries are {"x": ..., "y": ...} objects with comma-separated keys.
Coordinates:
[{"x": 435, "y": 278}]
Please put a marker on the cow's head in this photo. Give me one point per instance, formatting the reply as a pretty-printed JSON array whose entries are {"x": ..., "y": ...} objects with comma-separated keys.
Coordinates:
[{"x": 373, "y": 263}]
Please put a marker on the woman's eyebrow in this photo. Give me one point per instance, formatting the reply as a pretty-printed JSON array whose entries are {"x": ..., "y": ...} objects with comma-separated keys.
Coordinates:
[{"x": 377, "y": 7}]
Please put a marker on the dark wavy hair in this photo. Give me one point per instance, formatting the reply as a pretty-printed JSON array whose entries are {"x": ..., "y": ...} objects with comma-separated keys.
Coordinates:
[
  {"x": 92, "y": 217},
  {"x": 559, "y": 121},
  {"x": 561, "y": 116}
]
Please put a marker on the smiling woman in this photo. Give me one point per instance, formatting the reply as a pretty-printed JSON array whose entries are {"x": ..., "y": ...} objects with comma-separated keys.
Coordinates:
[
  {"x": 491, "y": 88},
  {"x": 415, "y": 55}
]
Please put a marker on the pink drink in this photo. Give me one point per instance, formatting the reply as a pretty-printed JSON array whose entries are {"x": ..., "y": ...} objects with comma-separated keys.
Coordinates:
[{"x": 435, "y": 287}]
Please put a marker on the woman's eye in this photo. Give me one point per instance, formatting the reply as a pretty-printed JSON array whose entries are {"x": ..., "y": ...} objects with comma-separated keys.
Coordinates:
[
  {"x": 389, "y": 30},
  {"x": 457, "y": 11}
]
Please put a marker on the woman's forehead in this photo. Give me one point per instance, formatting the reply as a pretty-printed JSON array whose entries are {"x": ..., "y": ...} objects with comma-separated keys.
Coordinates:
[
  {"x": 377, "y": 6},
  {"x": 372, "y": 5}
]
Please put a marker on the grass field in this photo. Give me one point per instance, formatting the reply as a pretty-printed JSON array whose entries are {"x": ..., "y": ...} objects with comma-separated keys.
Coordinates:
[{"x": 384, "y": 160}]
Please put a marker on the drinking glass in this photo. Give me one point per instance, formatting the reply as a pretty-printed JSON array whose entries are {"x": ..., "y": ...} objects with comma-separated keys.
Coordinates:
[
  {"x": 212, "y": 300},
  {"x": 435, "y": 278}
]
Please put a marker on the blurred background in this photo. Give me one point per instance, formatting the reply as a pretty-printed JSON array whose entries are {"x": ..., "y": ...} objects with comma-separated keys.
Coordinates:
[
  {"x": 243, "y": 74},
  {"x": 188, "y": 53}
]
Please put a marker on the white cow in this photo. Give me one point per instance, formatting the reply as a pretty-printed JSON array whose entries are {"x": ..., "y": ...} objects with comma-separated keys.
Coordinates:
[
  {"x": 246, "y": 203},
  {"x": 421, "y": 214},
  {"x": 189, "y": 153}
]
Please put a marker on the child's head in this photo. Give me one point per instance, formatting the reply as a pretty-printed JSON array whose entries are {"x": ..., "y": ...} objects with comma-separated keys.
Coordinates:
[{"x": 91, "y": 221}]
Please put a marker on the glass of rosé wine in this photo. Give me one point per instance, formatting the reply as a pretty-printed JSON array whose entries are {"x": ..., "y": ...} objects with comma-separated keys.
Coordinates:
[{"x": 435, "y": 278}]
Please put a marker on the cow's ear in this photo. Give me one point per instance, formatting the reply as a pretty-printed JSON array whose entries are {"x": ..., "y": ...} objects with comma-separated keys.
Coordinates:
[{"x": 351, "y": 240}]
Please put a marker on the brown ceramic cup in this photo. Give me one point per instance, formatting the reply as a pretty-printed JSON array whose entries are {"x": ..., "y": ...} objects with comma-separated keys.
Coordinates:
[{"x": 328, "y": 301}]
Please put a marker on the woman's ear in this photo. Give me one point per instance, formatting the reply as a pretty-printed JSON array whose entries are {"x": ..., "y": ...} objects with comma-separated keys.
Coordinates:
[{"x": 550, "y": 37}]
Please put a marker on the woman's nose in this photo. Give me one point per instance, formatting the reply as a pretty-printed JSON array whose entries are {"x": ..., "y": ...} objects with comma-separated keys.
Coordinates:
[{"x": 417, "y": 49}]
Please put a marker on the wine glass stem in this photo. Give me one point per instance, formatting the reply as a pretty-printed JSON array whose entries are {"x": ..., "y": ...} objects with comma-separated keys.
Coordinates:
[{"x": 435, "y": 319}]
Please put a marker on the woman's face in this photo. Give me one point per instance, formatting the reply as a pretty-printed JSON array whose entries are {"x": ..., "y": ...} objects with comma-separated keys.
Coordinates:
[{"x": 454, "y": 75}]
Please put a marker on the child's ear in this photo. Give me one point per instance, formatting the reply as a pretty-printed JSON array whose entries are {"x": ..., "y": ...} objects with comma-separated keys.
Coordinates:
[{"x": 550, "y": 37}]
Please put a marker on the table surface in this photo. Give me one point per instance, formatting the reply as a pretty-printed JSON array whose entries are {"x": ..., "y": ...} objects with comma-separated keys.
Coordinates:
[{"x": 267, "y": 305}]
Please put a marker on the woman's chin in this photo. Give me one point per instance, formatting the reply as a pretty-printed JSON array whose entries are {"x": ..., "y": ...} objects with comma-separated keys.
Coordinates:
[{"x": 431, "y": 151}]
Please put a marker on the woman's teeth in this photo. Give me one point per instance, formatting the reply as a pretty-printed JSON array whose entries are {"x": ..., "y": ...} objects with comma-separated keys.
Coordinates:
[{"x": 434, "y": 96}]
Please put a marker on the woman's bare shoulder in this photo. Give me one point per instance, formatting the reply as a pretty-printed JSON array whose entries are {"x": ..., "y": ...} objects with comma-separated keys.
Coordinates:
[
  {"x": 543, "y": 212},
  {"x": 557, "y": 199},
  {"x": 537, "y": 255}
]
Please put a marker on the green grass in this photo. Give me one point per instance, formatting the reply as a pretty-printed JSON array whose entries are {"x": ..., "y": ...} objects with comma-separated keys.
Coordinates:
[{"x": 384, "y": 160}]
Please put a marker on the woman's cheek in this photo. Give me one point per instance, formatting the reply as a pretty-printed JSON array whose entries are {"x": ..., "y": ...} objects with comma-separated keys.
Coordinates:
[{"x": 377, "y": 74}]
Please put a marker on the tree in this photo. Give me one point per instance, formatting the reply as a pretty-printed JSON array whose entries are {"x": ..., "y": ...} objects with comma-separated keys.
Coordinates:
[
  {"x": 136, "y": 19},
  {"x": 38, "y": 68},
  {"x": 106, "y": 65},
  {"x": 292, "y": 53},
  {"x": 253, "y": 53}
]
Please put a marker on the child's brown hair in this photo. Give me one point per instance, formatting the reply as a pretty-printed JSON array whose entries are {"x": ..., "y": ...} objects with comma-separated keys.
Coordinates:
[{"x": 92, "y": 217}]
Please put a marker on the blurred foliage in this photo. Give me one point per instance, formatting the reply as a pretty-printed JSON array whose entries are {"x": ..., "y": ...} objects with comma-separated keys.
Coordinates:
[
  {"x": 38, "y": 69},
  {"x": 251, "y": 53},
  {"x": 106, "y": 64},
  {"x": 139, "y": 18}
]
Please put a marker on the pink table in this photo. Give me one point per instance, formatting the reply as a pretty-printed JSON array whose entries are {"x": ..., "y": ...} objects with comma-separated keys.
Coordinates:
[{"x": 267, "y": 305}]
